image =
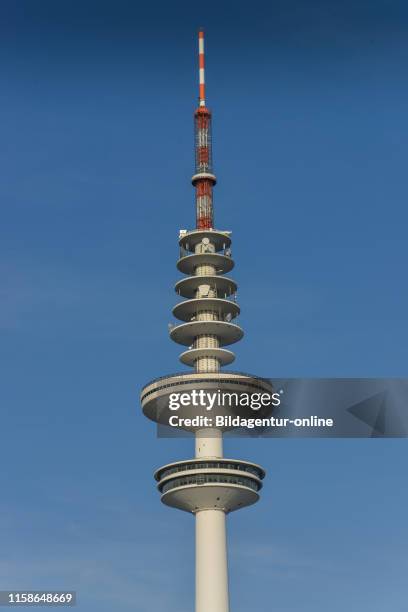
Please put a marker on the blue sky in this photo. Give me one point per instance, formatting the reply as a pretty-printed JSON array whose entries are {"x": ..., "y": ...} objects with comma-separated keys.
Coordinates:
[{"x": 310, "y": 149}]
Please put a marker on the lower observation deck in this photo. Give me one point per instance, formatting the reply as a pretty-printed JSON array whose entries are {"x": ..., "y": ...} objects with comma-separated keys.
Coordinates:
[
  {"x": 208, "y": 484},
  {"x": 155, "y": 396}
]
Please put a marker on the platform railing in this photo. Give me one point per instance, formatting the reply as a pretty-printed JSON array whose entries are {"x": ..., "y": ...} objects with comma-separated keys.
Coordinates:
[{"x": 188, "y": 375}]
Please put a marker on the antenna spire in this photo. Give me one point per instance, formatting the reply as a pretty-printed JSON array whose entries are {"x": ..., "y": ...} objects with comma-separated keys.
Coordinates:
[{"x": 201, "y": 66}]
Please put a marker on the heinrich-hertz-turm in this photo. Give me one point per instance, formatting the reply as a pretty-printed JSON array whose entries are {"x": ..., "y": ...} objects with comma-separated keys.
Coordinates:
[{"x": 210, "y": 485}]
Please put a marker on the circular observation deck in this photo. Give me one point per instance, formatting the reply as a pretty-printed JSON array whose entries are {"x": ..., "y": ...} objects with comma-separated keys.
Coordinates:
[
  {"x": 186, "y": 333},
  {"x": 155, "y": 396},
  {"x": 224, "y": 356},
  {"x": 222, "y": 285},
  {"x": 220, "y": 240},
  {"x": 223, "y": 308},
  {"x": 221, "y": 263},
  {"x": 210, "y": 483}
]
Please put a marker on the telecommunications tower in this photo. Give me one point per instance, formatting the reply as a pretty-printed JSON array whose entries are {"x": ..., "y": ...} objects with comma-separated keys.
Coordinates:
[{"x": 210, "y": 485}]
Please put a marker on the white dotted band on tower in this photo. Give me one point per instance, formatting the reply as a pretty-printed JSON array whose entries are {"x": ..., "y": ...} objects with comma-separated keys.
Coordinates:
[{"x": 208, "y": 486}]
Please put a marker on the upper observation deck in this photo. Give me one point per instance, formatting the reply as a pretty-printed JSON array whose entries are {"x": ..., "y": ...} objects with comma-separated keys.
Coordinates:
[{"x": 155, "y": 395}]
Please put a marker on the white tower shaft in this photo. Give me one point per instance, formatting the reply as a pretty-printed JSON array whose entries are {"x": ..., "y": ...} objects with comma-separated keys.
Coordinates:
[
  {"x": 211, "y": 562},
  {"x": 208, "y": 443},
  {"x": 211, "y": 540}
]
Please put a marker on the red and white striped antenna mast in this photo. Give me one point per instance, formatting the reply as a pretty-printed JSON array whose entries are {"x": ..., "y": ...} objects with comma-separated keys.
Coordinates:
[
  {"x": 204, "y": 178},
  {"x": 201, "y": 64}
]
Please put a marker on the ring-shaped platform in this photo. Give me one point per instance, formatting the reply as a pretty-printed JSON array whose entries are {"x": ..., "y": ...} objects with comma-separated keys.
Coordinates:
[
  {"x": 224, "y": 356},
  {"x": 227, "y": 333},
  {"x": 224, "y": 286},
  {"x": 188, "y": 309},
  {"x": 220, "y": 240},
  {"x": 189, "y": 263}
]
